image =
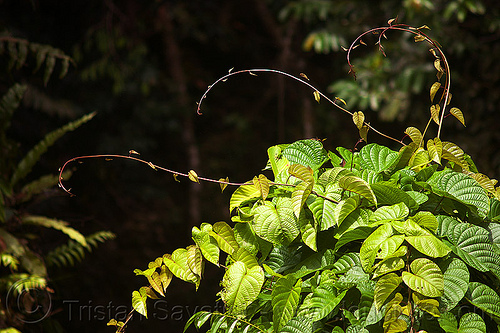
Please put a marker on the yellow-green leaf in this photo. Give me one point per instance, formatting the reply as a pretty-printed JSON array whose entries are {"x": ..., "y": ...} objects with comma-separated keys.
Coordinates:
[
  {"x": 435, "y": 109},
  {"x": 435, "y": 150},
  {"x": 262, "y": 184},
  {"x": 316, "y": 96},
  {"x": 358, "y": 118},
  {"x": 415, "y": 135},
  {"x": 434, "y": 89},
  {"x": 223, "y": 183},
  {"x": 458, "y": 114},
  {"x": 193, "y": 176},
  {"x": 359, "y": 186},
  {"x": 363, "y": 132}
]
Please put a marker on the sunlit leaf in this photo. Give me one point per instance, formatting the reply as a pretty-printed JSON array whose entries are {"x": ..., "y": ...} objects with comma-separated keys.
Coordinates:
[
  {"x": 241, "y": 286},
  {"x": 425, "y": 278},
  {"x": 415, "y": 135},
  {"x": 435, "y": 149},
  {"x": 285, "y": 299},
  {"x": 358, "y": 118},
  {"x": 206, "y": 243},
  {"x": 435, "y": 110},
  {"x": 276, "y": 221},
  {"x": 224, "y": 235},
  {"x": 223, "y": 183},
  {"x": 359, "y": 186},
  {"x": 193, "y": 176},
  {"x": 262, "y": 184},
  {"x": 371, "y": 246},
  {"x": 242, "y": 194},
  {"x": 316, "y": 96},
  {"x": 483, "y": 297},
  {"x": 434, "y": 89},
  {"x": 385, "y": 286},
  {"x": 458, "y": 114}
]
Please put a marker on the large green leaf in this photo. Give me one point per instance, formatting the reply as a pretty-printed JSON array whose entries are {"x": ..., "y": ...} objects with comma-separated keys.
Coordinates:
[
  {"x": 371, "y": 246},
  {"x": 426, "y": 220},
  {"x": 302, "y": 191},
  {"x": 245, "y": 257},
  {"x": 375, "y": 157},
  {"x": 322, "y": 208},
  {"x": 425, "y": 278},
  {"x": 421, "y": 239},
  {"x": 177, "y": 263},
  {"x": 309, "y": 153},
  {"x": 245, "y": 237},
  {"x": 321, "y": 302},
  {"x": 224, "y": 235},
  {"x": 344, "y": 208},
  {"x": 285, "y": 299},
  {"x": 471, "y": 243},
  {"x": 206, "y": 243},
  {"x": 308, "y": 229},
  {"x": 389, "y": 194},
  {"x": 358, "y": 186},
  {"x": 352, "y": 235},
  {"x": 27, "y": 163},
  {"x": 398, "y": 211},
  {"x": 298, "y": 325},
  {"x": 275, "y": 221},
  {"x": 448, "y": 322},
  {"x": 243, "y": 193},
  {"x": 456, "y": 281},
  {"x": 463, "y": 188},
  {"x": 485, "y": 298},
  {"x": 241, "y": 286},
  {"x": 386, "y": 284},
  {"x": 472, "y": 323}
]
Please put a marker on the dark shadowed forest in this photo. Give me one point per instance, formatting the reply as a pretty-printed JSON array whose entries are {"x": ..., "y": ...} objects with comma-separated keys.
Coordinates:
[{"x": 142, "y": 66}]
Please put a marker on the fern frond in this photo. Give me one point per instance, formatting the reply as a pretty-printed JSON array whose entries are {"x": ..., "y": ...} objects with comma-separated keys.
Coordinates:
[
  {"x": 73, "y": 252},
  {"x": 27, "y": 163},
  {"x": 8, "y": 260},
  {"x": 19, "y": 49},
  {"x": 17, "y": 283},
  {"x": 56, "y": 224},
  {"x": 9, "y": 103},
  {"x": 41, "y": 184}
]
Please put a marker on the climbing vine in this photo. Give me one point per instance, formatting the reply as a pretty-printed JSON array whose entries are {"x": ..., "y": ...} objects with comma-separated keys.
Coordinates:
[{"x": 369, "y": 239}]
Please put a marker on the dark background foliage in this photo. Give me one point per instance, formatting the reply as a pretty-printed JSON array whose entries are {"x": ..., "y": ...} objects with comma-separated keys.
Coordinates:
[{"x": 143, "y": 65}]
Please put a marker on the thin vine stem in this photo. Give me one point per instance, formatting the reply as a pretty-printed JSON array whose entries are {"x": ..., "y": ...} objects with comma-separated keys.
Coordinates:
[
  {"x": 291, "y": 76},
  {"x": 418, "y": 32}
]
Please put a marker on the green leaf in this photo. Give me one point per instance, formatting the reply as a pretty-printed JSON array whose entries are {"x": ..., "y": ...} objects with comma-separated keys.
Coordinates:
[
  {"x": 308, "y": 230},
  {"x": 343, "y": 209},
  {"x": 358, "y": 118},
  {"x": 388, "y": 194},
  {"x": 56, "y": 224},
  {"x": 448, "y": 322},
  {"x": 463, "y": 188},
  {"x": 27, "y": 163},
  {"x": 434, "y": 89},
  {"x": 139, "y": 302},
  {"x": 246, "y": 237},
  {"x": 224, "y": 235},
  {"x": 302, "y": 191},
  {"x": 426, "y": 278},
  {"x": 206, "y": 243},
  {"x": 285, "y": 299},
  {"x": 485, "y": 298},
  {"x": 195, "y": 261},
  {"x": 241, "y": 286},
  {"x": 321, "y": 302},
  {"x": 389, "y": 213},
  {"x": 435, "y": 150},
  {"x": 426, "y": 220},
  {"x": 415, "y": 135},
  {"x": 358, "y": 186},
  {"x": 177, "y": 263},
  {"x": 458, "y": 114},
  {"x": 456, "y": 281},
  {"x": 298, "y": 325},
  {"x": 322, "y": 208},
  {"x": 455, "y": 154},
  {"x": 278, "y": 162},
  {"x": 471, "y": 243},
  {"x": 262, "y": 184},
  {"x": 245, "y": 257},
  {"x": 385, "y": 286},
  {"x": 276, "y": 222},
  {"x": 472, "y": 323},
  {"x": 371, "y": 246},
  {"x": 309, "y": 153},
  {"x": 375, "y": 157},
  {"x": 243, "y": 193},
  {"x": 352, "y": 235}
]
